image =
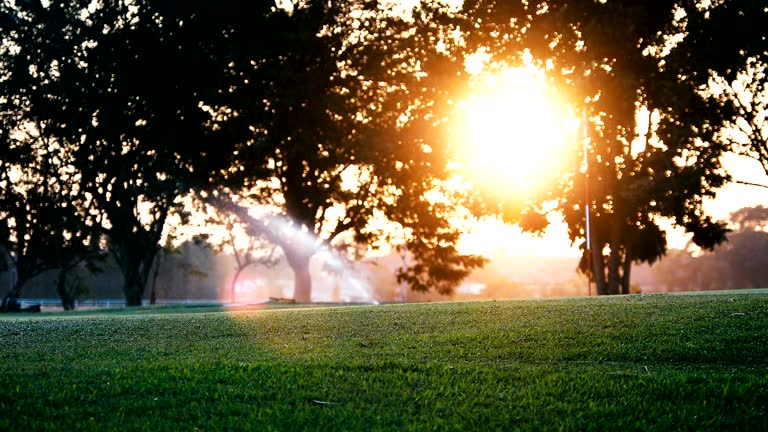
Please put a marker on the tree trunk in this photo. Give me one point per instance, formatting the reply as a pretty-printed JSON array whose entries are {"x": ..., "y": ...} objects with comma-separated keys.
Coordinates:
[
  {"x": 302, "y": 279},
  {"x": 155, "y": 274},
  {"x": 627, "y": 270},
  {"x": 67, "y": 302},
  {"x": 132, "y": 287},
  {"x": 17, "y": 282},
  {"x": 13, "y": 282},
  {"x": 136, "y": 266},
  {"x": 598, "y": 270},
  {"x": 598, "y": 266},
  {"x": 614, "y": 260},
  {"x": 614, "y": 263},
  {"x": 135, "y": 276}
]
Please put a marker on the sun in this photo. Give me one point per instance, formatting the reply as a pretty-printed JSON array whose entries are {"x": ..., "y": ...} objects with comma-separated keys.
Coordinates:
[{"x": 515, "y": 137}]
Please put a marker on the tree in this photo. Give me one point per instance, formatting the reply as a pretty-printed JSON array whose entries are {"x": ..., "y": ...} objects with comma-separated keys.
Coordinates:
[
  {"x": 735, "y": 73},
  {"x": 46, "y": 226},
  {"x": 750, "y": 219},
  {"x": 746, "y": 256},
  {"x": 746, "y": 252},
  {"x": 178, "y": 261},
  {"x": 653, "y": 145},
  {"x": 47, "y": 221},
  {"x": 119, "y": 95},
  {"x": 326, "y": 100},
  {"x": 155, "y": 145},
  {"x": 345, "y": 112}
]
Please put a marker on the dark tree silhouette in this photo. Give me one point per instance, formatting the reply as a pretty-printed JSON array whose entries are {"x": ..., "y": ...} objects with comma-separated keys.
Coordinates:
[
  {"x": 329, "y": 104},
  {"x": 122, "y": 86},
  {"x": 610, "y": 59},
  {"x": 750, "y": 219},
  {"x": 332, "y": 117},
  {"x": 733, "y": 66},
  {"x": 46, "y": 220},
  {"x": 345, "y": 114}
]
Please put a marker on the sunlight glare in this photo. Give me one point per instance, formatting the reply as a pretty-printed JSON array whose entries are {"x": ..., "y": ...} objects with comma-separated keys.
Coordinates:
[
  {"x": 494, "y": 239},
  {"x": 515, "y": 136}
]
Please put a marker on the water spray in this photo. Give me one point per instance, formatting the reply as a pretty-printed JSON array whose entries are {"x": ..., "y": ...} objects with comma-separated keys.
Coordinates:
[{"x": 280, "y": 231}]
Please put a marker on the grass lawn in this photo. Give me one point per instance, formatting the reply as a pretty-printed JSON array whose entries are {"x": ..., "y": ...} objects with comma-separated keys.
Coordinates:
[{"x": 658, "y": 362}]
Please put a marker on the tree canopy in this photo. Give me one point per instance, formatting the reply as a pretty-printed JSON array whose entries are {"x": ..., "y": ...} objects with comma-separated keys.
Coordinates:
[
  {"x": 735, "y": 75},
  {"x": 332, "y": 120},
  {"x": 634, "y": 70},
  {"x": 118, "y": 86},
  {"x": 321, "y": 123},
  {"x": 346, "y": 144}
]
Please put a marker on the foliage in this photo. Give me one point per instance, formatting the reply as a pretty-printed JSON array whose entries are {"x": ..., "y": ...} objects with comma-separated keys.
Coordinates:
[
  {"x": 110, "y": 84},
  {"x": 345, "y": 149},
  {"x": 334, "y": 123},
  {"x": 184, "y": 271},
  {"x": 46, "y": 219},
  {"x": 74, "y": 284},
  {"x": 686, "y": 362},
  {"x": 750, "y": 219},
  {"x": 325, "y": 124},
  {"x": 654, "y": 138},
  {"x": 734, "y": 75}
]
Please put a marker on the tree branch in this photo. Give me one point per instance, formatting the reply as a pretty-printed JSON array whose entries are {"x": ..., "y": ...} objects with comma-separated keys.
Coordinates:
[{"x": 743, "y": 182}]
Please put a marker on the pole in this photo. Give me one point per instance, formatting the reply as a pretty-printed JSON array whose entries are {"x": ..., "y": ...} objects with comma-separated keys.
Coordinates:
[{"x": 587, "y": 233}]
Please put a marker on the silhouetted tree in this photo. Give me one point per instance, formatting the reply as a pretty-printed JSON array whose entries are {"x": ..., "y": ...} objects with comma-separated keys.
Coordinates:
[
  {"x": 124, "y": 87},
  {"x": 345, "y": 114},
  {"x": 46, "y": 220},
  {"x": 610, "y": 60},
  {"x": 732, "y": 67},
  {"x": 334, "y": 112},
  {"x": 750, "y": 219}
]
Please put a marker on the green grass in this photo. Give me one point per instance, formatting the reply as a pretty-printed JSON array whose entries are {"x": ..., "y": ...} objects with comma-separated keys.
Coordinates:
[{"x": 660, "y": 362}]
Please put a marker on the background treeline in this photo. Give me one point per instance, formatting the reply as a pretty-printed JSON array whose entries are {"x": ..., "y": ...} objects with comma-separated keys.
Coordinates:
[
  {"x": 195, "y": 272},
  {"x": 741, "y": 262}
]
